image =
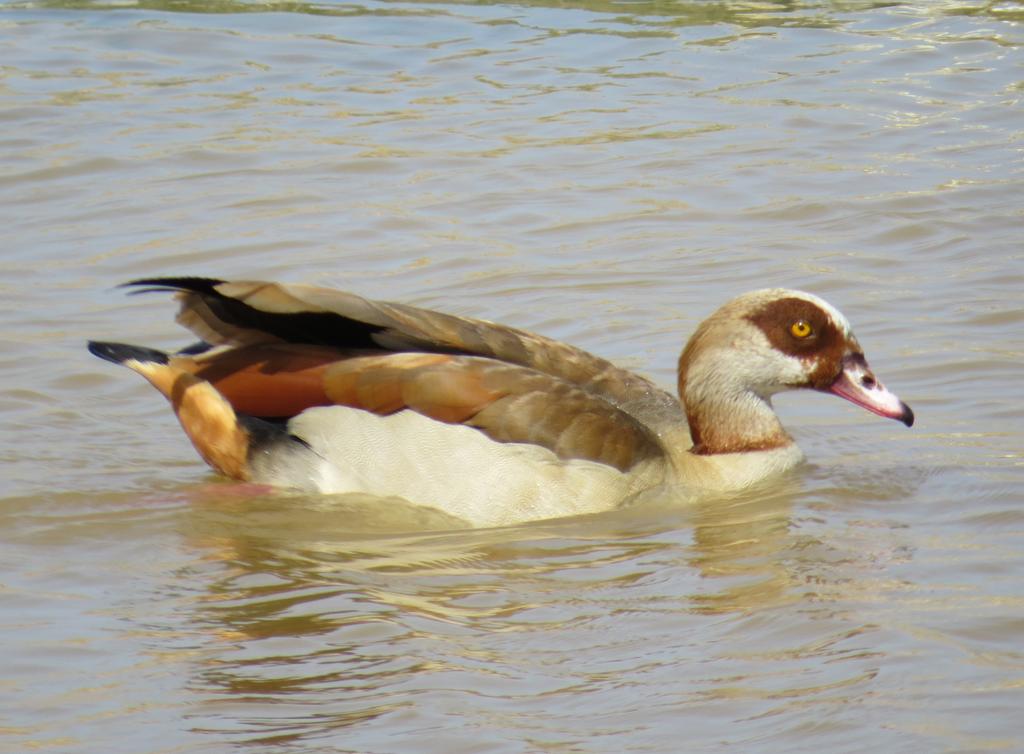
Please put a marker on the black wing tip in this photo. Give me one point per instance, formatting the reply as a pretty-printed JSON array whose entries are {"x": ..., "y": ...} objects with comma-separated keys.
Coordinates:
[
  {"x": 197, "y": 348},
  {"x": 193, "y": 284},
  {"x": 118, "y": 353}
]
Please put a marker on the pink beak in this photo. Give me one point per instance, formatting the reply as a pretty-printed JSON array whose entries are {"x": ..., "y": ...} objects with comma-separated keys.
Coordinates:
[{"x": 858, "y": 385}]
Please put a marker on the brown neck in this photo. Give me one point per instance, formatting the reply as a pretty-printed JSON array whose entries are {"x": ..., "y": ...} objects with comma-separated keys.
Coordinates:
[
  {"x": 721, "y": 429},
  {"x": 727, "y": 418}
]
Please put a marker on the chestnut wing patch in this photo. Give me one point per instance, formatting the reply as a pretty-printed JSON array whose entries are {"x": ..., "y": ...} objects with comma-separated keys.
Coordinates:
[{"x": 269, "y": 381}]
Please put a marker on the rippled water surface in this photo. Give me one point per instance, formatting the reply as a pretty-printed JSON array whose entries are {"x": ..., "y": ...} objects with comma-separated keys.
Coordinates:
[{"x": 604, "y": 172}]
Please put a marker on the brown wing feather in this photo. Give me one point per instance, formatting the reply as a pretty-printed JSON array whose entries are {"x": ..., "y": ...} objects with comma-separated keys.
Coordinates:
[
  {"x": 507, "y": 402},
  {"x": 246, "y": 313}
]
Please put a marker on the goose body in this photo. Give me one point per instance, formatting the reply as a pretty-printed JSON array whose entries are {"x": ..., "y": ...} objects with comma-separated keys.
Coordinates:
[{"x": 315, "y": 389}]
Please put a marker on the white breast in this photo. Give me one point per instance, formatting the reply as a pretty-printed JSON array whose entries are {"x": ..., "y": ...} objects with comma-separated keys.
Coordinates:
[{"x": 453, "y": 468}]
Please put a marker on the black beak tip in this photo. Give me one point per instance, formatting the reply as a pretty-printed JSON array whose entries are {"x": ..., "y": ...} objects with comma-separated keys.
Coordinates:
[{"x": 907, "y": 417}]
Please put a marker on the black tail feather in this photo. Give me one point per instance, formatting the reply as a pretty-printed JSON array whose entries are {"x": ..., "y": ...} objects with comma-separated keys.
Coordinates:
[
  {"x": 121, "y": 352},
  {"x": 326, "y": 328},
  {"x": 194, "y": 284}
]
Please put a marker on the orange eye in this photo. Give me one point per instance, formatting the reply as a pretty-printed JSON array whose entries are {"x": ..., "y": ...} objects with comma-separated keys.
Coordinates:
[{"x": 800, "y": 329}]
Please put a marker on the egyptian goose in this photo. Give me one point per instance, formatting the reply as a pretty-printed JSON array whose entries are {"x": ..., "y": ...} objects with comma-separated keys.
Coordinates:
[{"x": 302, "y": 387}]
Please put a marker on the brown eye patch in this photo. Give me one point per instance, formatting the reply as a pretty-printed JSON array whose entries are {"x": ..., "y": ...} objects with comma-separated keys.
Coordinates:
[{"x": 825, "y": 344}]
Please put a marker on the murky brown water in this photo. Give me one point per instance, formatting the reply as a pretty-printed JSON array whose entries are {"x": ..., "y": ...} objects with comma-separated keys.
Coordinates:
[{"x": 604, "y": 172}]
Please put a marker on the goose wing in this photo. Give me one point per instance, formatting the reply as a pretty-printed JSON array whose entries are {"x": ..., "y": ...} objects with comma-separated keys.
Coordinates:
[{"x": 243, "y": 313}]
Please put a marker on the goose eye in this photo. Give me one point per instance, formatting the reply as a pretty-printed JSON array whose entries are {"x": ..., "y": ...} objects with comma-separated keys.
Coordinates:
[{"x": 800, "y": 329}]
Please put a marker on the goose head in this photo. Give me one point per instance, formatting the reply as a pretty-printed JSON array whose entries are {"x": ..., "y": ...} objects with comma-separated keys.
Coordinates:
[{"x": 760, "y": 344}]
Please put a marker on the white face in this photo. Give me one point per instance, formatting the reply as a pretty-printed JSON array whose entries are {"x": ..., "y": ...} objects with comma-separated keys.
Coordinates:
[
  {"x": 772, "y": 371},
  {"x": 772, "y": 340},
  {"x": 764, "y": 342}
]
